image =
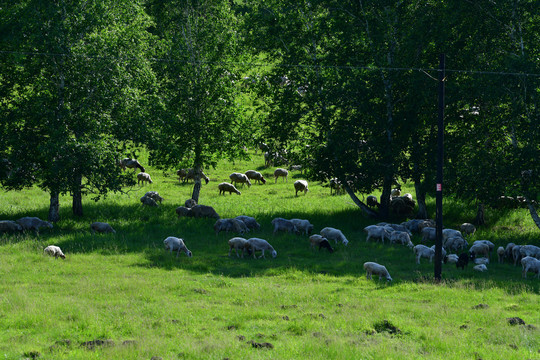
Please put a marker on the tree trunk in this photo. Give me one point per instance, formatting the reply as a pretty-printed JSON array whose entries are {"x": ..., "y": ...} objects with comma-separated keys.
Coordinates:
[
  {"x": 384, "y": 209},
  {"x": 54, "y": 207},
  {"x": 77, "y": 197},
  {"x": 532, "y": 211},
  {"x": 197, "y": 186},
  {"x": 421, "y": 201},
  {"x": 365, "y": 209},
  {"x": 480, "y": 219}
]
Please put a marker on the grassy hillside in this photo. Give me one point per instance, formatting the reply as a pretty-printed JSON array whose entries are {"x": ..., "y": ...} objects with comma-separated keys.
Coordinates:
[{"x": 122, "y": 296}]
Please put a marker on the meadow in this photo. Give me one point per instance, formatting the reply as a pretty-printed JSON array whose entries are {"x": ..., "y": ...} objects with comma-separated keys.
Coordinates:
[{"x": 122, "y": 296}]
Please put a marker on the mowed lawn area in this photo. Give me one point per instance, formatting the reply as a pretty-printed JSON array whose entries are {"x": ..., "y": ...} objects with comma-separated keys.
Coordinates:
[{"x": 122, "y": 296}]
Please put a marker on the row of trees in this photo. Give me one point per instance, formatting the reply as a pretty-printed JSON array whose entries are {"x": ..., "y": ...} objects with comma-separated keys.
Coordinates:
[{"x": 346, "y": 86}]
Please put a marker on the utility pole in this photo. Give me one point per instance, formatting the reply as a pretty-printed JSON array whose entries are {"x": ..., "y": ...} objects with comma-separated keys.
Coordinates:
[{"x": 440, "y": 159}]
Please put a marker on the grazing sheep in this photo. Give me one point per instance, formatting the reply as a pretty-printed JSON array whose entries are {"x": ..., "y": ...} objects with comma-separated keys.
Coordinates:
[
  {"x": 336, "y": 185},
  {"x": 190, "y": 203},
  {"x": 281, "y": 224},
  {"x": 256, "y": 244},
  {"x": 395, "y": 192},
  {"x": 448, "y": 233},
  {"x": 422, "y": 251},
  {"x": 480, "y": 268},
  {"x": 281, "y": 172},
  {"x": 443, "y": 251},
  {"x": 101, "y": 227},
  {"x": 530, "y": 250},
  {"x": 131, "y": 164},
  {"x": 233, "y": 225},
  {"x": 479, "y": 249},
  {"x": 378, "y": 232},
  {"x": 255, "y": 175},
  {"x": 189, "y": 174},
  {"x": 148, "y": 200},
  {"x": 467, "y": 228},
  {"x": 204, "y": 211},
  {"x": 183, "y": 211},
  {"x": 373, "y": 268},
  {"x": 225, "y": 186},
  {"x": 401, "y": 237},
  {"x": 33, "y": 223},
  {"x": 321, "y": 242},
  {"x": 173, "y": 243},
  {"x": 371, "y": 201},
  {"x": 500, "y": 254},
  {"x": 451, "y": 259},
  {"x": 250, "y": 222},
  {"x": 154, "y": 195},
  {"x": 530, "y": 263},
  {"x": 303, "y": 226},
  {"x": 481, "y": 260},
  {"x": 237, "y": 243},
  {"x": 429, "y": 234},
  {"x": 516, "y": 254},
  {"x": 463, "y": 260},
  {"x": 301, "y": 185},
  {"x": 455, "y": 243},
  {"x": 508, "y": 251},
  {"x": 53, "y": 250},
  {"x": 487, "y": 242},
  {"x": 239, "y": 178},
  {"x": 142, "y": 177},
  {"x": 334, "y": 234},
  {"x": 9, "y": 226}
]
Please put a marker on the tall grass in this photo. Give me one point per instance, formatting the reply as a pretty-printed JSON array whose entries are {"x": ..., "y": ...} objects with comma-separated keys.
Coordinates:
[{"x": 122, "y": 296}]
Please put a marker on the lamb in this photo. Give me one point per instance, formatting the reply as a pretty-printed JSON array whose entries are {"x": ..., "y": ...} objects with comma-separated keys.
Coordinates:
[
  {"x": 530, "y": 250},
  {"x": 237, "y": 243},
  {"x": 321, "y": 242},
  {"x": 467, "y": 228},
  {"x": 281, "y": 172},
  {"x": 463, "y": 260},
  {"x": 401, "y": 237},
  {"x": 377, "y": 269},
  {"x": 239, "y": 178},
  {"x": 451, "y": 259},
  {"x": 53, "y": 250},
  {"x": 250, "y": 222},
  {"x": 131, "y": 164},
  {"x": 281, "y": 224},
  {"x": 334, "y": 234},
  {"x": 256, "y": 244},
  {"x": 173, "y": 243},
  {"x": 375, "y": 231},
  {"x": 101, "y": 227},
  {"x": 142, "y": 177},
  {"x": 225, "y": 186},
  {"x": 530, "y": 263},
  {"x": 479, "y": 249},
  {"x": 301, "y": 185},
  {"x": 480, "y": 268},
  {"x": 303, "y": 226},
  {"x": 227, "y": 225},
  {"x": 255, "y": 175},
  {"x": 423, "y": 251},
  {"x": 33, "y": 223},
  {"x": 481, "y": 260},
  {"x": 500, "y": 254},
  {"x": 9, "y": 226}
]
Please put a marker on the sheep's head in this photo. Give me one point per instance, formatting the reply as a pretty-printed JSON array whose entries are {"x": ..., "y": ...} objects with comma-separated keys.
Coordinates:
[
  {"x": 188, "y": 253},
  {"x": 274, "y": 253}
]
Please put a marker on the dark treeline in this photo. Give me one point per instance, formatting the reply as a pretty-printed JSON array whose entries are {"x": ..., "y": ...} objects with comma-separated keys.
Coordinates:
[{"x": 347, "y": 88}]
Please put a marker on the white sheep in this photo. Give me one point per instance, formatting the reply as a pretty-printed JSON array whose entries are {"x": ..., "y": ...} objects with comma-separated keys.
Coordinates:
[
  {"x": 173, "y": 243},
  {"x": 443, "y": 251},
  {"x": 256, "y": 244},
  {"x": 131, "y": 164},
  {"x": 53, "y": 250},
  {"x": 481, "y": 268},
  {"x": 516, "y": 254},
  {"x": 143, "y": 177},
  {"x": 237, "y": 243},
  {"x": 239, "y": 178},
  {"x": 189, "y": 174},
  {"x": 455, "y": 243},
  {"x": 487, "y": 242},
  {"x": 530, "y": 263},
  {"x": 451, "y": 259},
  {"x": 281, "y": 224},
  {"x": 250, "y": 222},
  {"x": 255, "y": 175},
  {"x": 377, "y": 232},
  {"x": 234, "y": 225},
  {"x": 301, "y": 185},
  {"x": 467, "y": 228},
  {"x": 304, "y": 226},
  {"x": 401, "y": 237},
  {"x": 448, "y": 233},
  {"x": 429, "y": 234},
  {"x": 422, "y": 251},
  {"x": 508, "y": 251},
  {"x": 155, "y": 196},
  {"x": 336, "y": 185},
  {"x": 33, "y": 223},
  {"x": 101, "y": 227},
  {"x": 320, "y": 241},
  {"x": 9, "y": 226},
  {"x": 373, "y": 268},
  {"x": 279, "y": 172},
  {"x": 481, "y": 260},
  {"x": 500, "y": 254},
  {"x": 227, "y": 187},
  {"x": 146, "y": 200},
  {"x": 395, "y": 192},
  {"x": 334, "y": 234},
  {"x": 480, "y": 249},
  {"x": 530, "y": 250}
]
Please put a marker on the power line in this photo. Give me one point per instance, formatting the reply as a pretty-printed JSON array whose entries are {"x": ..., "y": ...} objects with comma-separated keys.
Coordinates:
[{"x": 306, "y": 66}]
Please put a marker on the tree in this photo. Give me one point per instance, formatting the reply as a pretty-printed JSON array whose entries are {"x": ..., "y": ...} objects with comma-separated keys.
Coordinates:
[{"x": 77, "y": 69}]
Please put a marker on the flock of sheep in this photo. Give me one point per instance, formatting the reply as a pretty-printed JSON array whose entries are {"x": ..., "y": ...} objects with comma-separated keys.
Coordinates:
[{"x": 454, "y": 241}]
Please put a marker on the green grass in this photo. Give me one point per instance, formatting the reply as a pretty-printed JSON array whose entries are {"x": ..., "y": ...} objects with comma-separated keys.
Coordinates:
[{"x": 127, "y": 289}]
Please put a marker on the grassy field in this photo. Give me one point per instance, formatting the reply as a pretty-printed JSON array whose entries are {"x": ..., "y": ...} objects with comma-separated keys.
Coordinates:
[{"x": 122, "y": 296}]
